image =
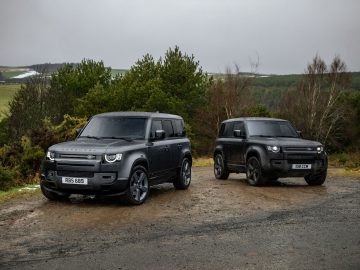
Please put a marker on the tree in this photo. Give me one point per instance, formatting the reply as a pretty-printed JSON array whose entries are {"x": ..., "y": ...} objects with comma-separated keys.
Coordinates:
[
  {"x": 74, "y": 82},
  {"x": 317, "y": 105},
  {"x": 27, "y": 108}
]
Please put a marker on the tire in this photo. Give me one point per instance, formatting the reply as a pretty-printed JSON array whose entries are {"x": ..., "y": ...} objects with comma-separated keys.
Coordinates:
[
  {"x": 52, "y": 196},
  {"x": 315, "y": 179},
  {"x": 220, "y": 170},
  {"x": 138, "y": 186},
  {"x": 254, "y": 173},
  {"x": 183, "y": 179}
]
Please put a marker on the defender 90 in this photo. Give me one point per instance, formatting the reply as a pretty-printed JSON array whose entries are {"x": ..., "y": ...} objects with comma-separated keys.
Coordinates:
[
  {"x": 267, "y": 149},
  {"x": 120, "y": 153}
]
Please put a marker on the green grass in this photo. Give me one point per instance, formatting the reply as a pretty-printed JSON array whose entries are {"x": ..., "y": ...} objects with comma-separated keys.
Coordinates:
[
  {"x": 7, "y": 91},
  {"x": 12, "y": 73},
  {"x": 25, "y": 191}
]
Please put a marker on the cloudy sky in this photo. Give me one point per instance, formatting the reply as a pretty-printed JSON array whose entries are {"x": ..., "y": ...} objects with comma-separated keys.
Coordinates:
[{"x": 284, "y": 34}]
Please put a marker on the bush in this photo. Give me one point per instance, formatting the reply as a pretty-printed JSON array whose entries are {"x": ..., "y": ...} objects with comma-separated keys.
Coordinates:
[{"x": 8, "y": 178}]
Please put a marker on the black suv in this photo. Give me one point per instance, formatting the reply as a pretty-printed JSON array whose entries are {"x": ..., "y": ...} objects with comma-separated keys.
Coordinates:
[
  {"x": 119, "y": 153},
  {"x": 266, "y": 149}
]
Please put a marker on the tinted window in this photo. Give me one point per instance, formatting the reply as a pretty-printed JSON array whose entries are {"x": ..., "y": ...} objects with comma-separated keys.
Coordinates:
[
  {"x": 271, "y": 129},
  {"x": 222, "y": 129},
  {"x": 240, "y": 126},
  {"x": 107, "y": 127},
  {"x": 156, "y": 125},
  {"x": 229, "y": 130},
  {"x": 179, "y": 130},
  {"x": 168, "y": 128}
]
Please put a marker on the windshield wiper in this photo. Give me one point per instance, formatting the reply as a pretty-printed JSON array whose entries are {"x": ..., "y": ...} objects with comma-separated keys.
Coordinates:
[
  {"x": 267, "y": 136},
  {"x": 118, "y": 138},
  {"x": 90, "y": 137}
]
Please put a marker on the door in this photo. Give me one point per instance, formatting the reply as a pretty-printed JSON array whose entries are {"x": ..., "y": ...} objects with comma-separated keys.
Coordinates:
[
  {"x": 159, "y": 152},
  {"x": 238, "y": 145}
]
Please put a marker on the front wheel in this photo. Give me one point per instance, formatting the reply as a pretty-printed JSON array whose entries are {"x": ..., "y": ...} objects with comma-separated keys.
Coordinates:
[
  {"x": 183, "y": 179},
  {"x": 254, "y": 173},
  {"x": 315, "y": 179},
  {"x": 220, "y": 170},
  {"x": 138, "y": 188}
]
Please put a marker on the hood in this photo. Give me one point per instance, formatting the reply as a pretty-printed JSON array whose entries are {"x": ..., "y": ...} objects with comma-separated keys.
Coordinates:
[
  {"x": 296, "y": 142},
  {"x": 94, "y": 146}
]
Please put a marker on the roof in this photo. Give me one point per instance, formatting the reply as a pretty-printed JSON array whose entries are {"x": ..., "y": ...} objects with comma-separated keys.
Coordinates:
[
  {"x": 139, "y": 114},
  {"x": 252, "y": 119}
]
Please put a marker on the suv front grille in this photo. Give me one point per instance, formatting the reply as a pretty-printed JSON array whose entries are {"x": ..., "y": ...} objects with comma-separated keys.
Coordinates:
[
  {"x": 301, "y": 161},
  {"x": 75, "y": 174},
  {"x": 300, "y": 149},
  {"x": 78, "y": 156}
]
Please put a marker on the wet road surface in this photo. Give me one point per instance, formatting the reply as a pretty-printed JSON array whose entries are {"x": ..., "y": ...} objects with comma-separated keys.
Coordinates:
[{"x": 216, "y": 224}]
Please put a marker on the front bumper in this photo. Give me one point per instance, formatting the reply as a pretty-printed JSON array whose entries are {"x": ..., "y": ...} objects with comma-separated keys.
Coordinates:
[
  {"x": 101, "y": 178},
  {"x": 281, "y": 165}
]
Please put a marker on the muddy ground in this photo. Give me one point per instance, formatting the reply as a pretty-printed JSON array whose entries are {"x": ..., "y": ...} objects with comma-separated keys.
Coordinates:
[{"x": 215, "y": 224}]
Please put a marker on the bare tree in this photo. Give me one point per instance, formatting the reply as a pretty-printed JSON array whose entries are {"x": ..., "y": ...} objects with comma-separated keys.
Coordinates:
[{"x": 315, "y": 106}]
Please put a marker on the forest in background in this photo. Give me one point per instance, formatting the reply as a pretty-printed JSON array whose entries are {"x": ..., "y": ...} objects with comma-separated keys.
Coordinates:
[{"x": 324, "y": 103}]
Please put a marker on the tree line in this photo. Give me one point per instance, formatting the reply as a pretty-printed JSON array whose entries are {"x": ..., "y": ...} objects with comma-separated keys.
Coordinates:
[{"x": 48, "y": 109}]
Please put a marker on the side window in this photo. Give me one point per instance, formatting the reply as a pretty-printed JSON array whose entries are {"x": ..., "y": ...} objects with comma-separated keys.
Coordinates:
[
  {"x": 178, "y": 128},
  {"x": 240, "y": 126},
  {"x": 168, "y": 128},
  {"x": 221, "y": 131},
  {"x": 156, "y": 125},
  {"x": 229, "y": 130}
]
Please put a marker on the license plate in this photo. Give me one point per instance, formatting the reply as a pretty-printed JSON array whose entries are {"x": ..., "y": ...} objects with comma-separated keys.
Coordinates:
[
  {"x": 301, "y": 166},
  {"x": 74, "y": 180}
]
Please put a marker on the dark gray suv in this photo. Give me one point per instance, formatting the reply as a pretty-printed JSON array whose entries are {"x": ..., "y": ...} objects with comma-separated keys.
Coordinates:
[
  {"x": 119, "y": 153},
  {"x": 266, "y": 149}
]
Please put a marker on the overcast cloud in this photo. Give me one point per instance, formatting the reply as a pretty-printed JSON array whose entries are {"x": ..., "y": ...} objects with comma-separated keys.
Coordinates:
[{"x": 284, "y": 34}]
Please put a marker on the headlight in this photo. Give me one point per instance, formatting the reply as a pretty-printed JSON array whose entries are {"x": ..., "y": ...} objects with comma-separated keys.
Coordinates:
[
  {"x": 50, "y": 155},
  {"x": 110, "y": 158},
  {"x": 273, "y": 148},
  {"x": 320, "y": 149}
]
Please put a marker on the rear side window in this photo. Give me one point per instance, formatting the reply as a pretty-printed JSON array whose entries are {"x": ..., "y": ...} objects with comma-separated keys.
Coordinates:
[
  {"x": 156, "y": 125},
  {"x": 179, "y": 130},
  {"x": 168, "y": 128}
]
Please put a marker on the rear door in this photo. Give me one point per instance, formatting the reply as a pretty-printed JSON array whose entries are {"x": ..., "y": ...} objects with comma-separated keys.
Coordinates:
[{"x": 227, "y": 135}]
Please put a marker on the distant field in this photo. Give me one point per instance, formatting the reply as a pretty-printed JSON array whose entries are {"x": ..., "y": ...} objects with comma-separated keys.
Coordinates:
[
  {"x": 115, "y": 72},
  {"x": 7, "y": 91}
]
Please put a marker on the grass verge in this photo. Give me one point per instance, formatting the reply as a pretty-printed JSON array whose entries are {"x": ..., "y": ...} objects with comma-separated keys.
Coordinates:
[{"x": 18, "y": 192}]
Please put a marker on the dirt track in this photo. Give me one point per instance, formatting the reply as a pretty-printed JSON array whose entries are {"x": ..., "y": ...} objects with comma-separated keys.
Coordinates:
[{"x": 213, "y": 225}]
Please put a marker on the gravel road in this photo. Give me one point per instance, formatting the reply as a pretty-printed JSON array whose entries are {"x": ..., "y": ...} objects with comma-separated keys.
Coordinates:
[{"x": 215, "y": 224}]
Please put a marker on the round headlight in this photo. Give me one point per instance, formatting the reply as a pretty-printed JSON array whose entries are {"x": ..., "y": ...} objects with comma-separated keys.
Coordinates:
[
  {"x": 273, "y": 148},
  {"x": 110, "y": 158},
  {"x": 319, "y": 149},
  {"x": 50, "y": 155}
]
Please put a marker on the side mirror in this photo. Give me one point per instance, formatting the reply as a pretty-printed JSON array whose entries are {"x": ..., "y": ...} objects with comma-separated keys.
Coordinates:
[
  {"x": 78, "y": 130},
  {"x": 238, "y": 133},
  {"x": 299, "y": 133},
  {"x": 159, "y": 134}
]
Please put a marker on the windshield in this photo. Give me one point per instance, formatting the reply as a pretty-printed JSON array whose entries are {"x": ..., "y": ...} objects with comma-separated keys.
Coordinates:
[
  {"x": 271, "y": 129},
  {"x": 115, "y": 127}
]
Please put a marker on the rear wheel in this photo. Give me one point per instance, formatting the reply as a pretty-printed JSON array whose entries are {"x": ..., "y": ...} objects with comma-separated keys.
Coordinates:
[
  {"x": 138, "y": 188},
  {"x": 315, "y": 179},
  {"x": 52, "y": 196},
  {"x": 254, "y": 172},
  {"x": 183, "y": 179},
  {"x": 220, "y": 170}
]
